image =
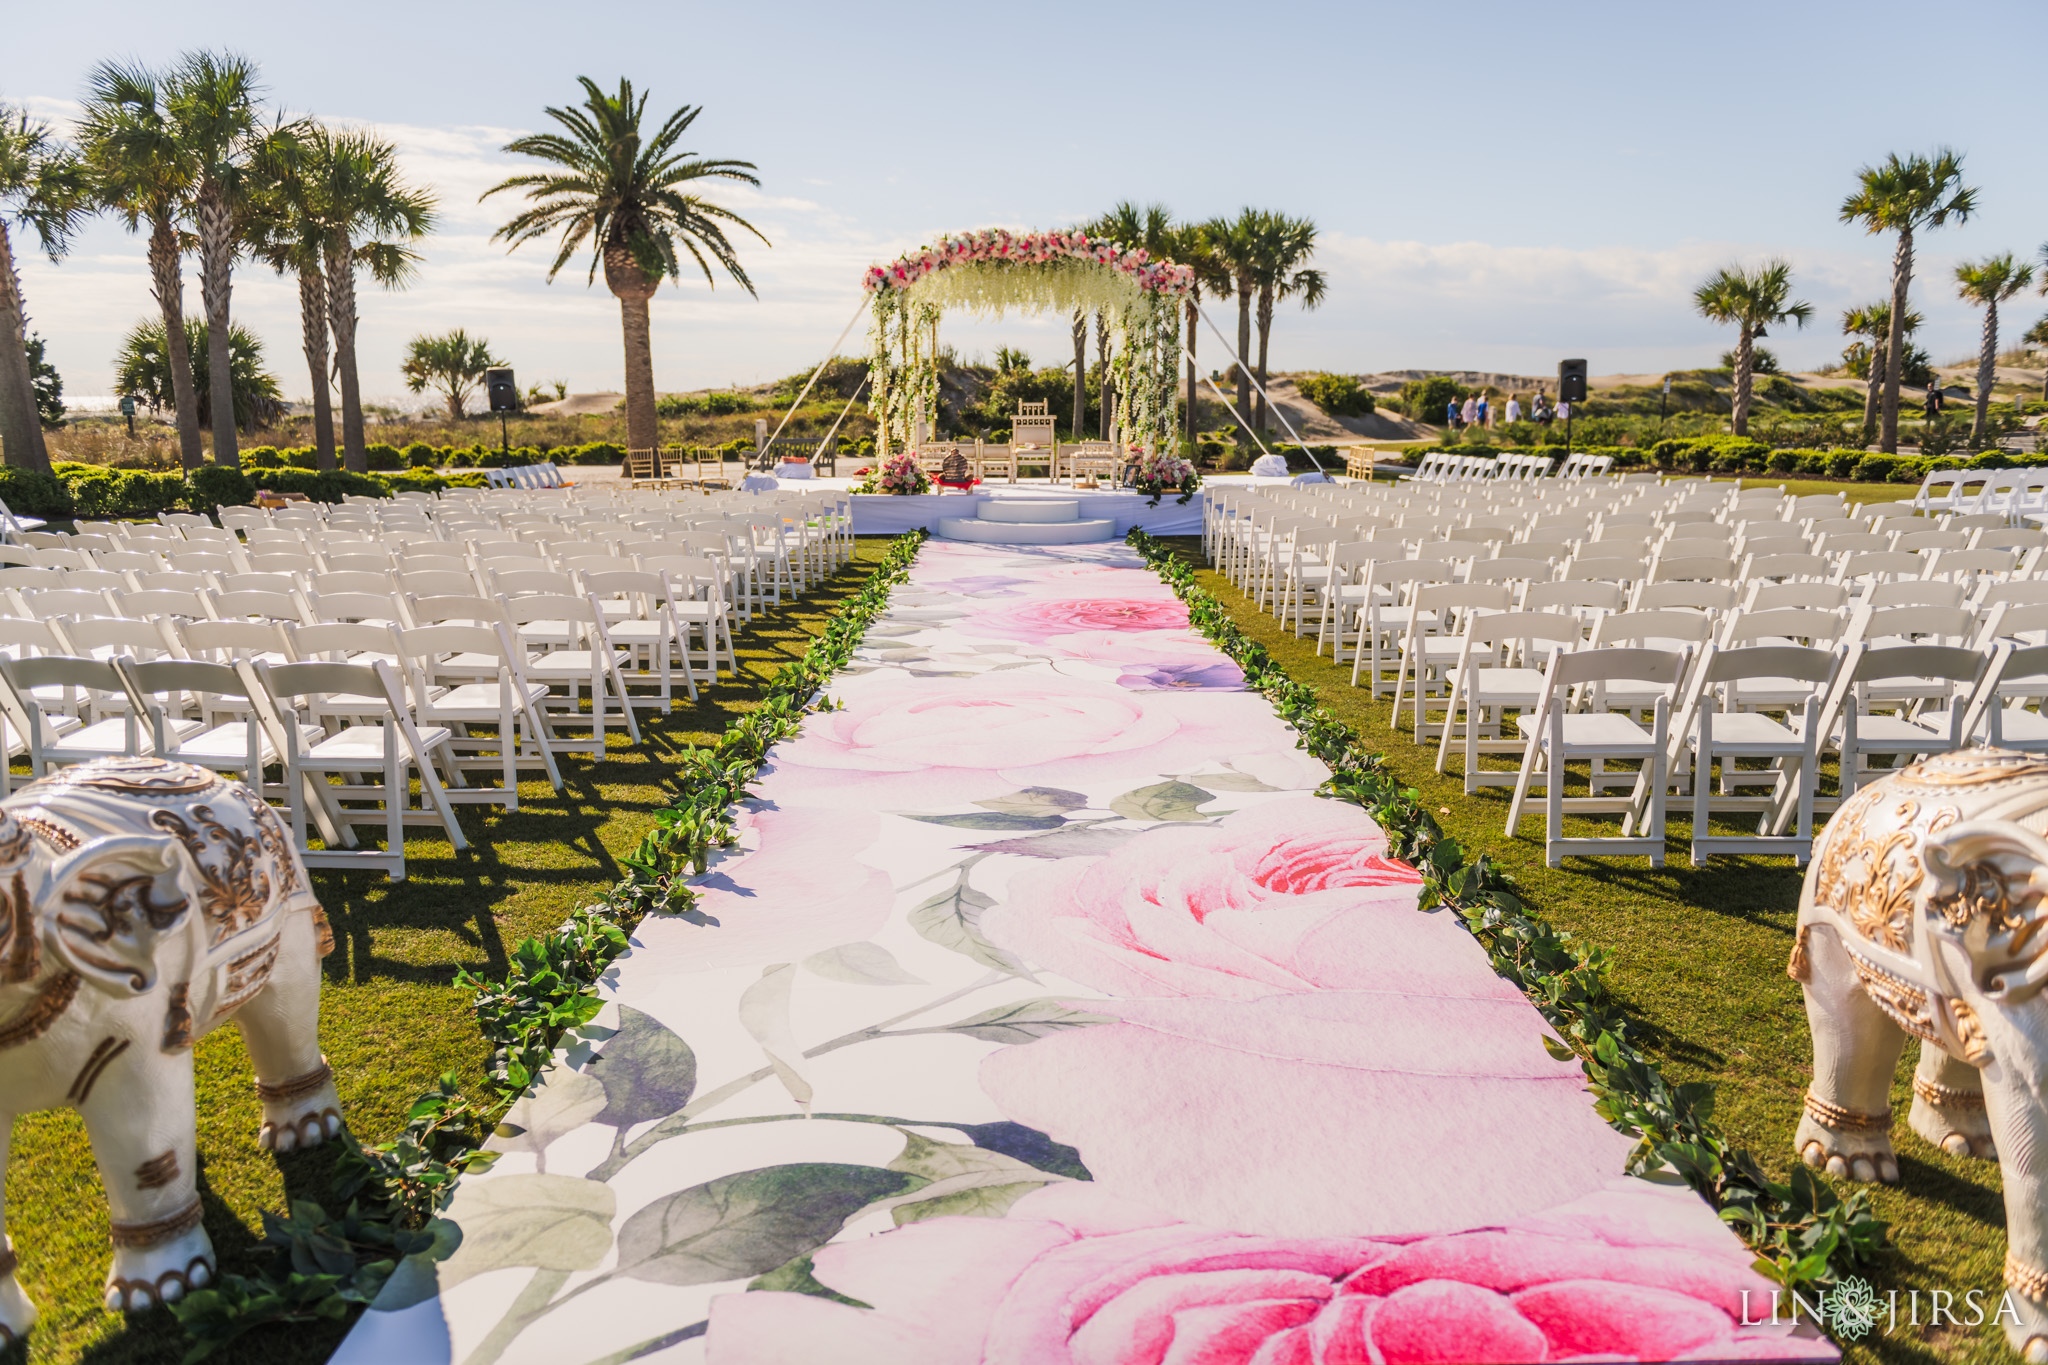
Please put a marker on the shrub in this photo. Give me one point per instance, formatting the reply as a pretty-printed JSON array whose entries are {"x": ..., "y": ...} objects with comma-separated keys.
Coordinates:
[
  {"x": 301, "y": 457},
  {"x": 1425, "y": 400},
  {"x": 597, "y": 452},
  {"x": 420, "y": 455},
  {"x": 413, "y": 481},
  {"x": 1842, "y": 463},
  {"x": 705, "y": 405},
  {"x": 1990, "y": 459},
  {"x": 459, "y": 457},
  {"x": 1337, "y": 394},
  {"x": 1876, "y": 468},
  {"x": 262, "y": 457},
  {"x": 381, "y": 456},
  {"x": 36, "y": 494},
  {"x": 214, "y": 486}
]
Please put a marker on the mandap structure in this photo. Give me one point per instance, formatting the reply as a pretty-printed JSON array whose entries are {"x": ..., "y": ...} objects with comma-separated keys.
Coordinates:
[{"x": 996, "y": 271}]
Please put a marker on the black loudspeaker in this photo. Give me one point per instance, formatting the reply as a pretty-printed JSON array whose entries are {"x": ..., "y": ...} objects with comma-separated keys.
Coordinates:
[
  {"x": 1571, "y": 381},
  {"x": 504, "y": 390}
]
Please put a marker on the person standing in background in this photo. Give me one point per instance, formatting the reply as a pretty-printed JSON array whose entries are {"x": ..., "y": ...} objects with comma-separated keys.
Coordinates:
[
  {"x": 1471, "y": 411},
  {"x": 1485, "y": 413},
  {"x": 1452, "y": 419},
  {"x": 1514, "y": 409}
]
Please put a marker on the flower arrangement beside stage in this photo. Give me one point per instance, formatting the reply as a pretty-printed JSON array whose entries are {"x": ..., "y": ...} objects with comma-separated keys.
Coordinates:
[
  {"x": 1160, "y": 474},
  {"x": 899, "y": 475}
]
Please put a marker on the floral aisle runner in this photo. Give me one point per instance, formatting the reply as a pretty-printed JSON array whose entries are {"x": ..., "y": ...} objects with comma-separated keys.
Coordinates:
[{"x": 1049, "y": 1017}]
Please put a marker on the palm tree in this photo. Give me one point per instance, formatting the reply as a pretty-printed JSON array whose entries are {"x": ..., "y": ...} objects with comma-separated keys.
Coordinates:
[
  {"x": 1753, "y": 300},
  {"x": 1193, "y": 249},
  {"x": 42, "y": 189},
  {"x": 1287, "y": 243},
  {"x": 1990, "y": 282},
  {"x": 1903, "y": 196},
  {"x": 365, "y": 216},
  {"x": 141, "y": 172},
  {"x": 2037, "y": 335},
  {"x": 142, "y": 371},
  {"x": 1238, "y": 244},
  {"x": 622, "y": 193},
  {"x": 1873, "y": 322},
  {"x": 452, "y": 363},
  {"x": 283, "y": 231},
  {"x": 212, "y": 102}
]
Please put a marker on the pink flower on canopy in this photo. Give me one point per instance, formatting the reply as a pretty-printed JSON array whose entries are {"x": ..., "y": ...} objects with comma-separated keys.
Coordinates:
[
  {"x": 1267, "y": 900},
  {"x": 1040, "y": 619},
  {"x": 1075, "y": 1276}
]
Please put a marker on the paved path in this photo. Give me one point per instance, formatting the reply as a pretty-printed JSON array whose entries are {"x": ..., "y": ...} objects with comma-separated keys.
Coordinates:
[{"x": 1050, "y": 1017}]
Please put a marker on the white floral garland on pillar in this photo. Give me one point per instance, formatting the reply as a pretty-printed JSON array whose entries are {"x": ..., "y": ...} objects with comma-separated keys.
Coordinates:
[{"x": 996, "y": 270}]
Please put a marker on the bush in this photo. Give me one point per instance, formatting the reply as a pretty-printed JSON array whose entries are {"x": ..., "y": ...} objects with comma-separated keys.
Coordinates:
[
  {"x": 382, "y": 456},
  {"x": 1877, "y": 468},
  {"x": 262, "y": 457},
  {"x": 214, "y": 486},
  {"x": 1337, "y": 394},
  {"x": 302, "y": 457},
  {"x": 1425, "y": 400},
  {"x": 597, "y": 452},
  {"x": 705, "y": 405},
  {"x": 414, "y": 481},
  {"x": 36, "y": 494},
  {"x": 420, "y": 455}
]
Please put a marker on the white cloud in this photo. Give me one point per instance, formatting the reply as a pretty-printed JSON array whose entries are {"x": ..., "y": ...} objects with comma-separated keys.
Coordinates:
[{"x": 1392, "y": 304}]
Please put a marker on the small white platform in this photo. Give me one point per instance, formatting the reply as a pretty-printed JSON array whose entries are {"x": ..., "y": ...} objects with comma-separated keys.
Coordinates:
[{"x": 1028, "y": 521}]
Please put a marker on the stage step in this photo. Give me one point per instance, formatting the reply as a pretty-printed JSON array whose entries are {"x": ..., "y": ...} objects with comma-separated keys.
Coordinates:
[
  {"x": 989, "y": 532},
  {"x": 1029, "y": 510}
]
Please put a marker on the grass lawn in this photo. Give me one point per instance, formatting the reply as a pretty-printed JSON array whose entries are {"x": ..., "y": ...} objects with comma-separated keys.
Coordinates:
[
  {"x": 1699, "y": 961},
  {"x": 390, "y": 1019}
]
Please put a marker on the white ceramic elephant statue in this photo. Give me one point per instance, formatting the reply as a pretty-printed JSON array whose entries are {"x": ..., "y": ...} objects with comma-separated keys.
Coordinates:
[
  {"x": 142, "y": 903},
  {"x": 1923, "y": 913}
]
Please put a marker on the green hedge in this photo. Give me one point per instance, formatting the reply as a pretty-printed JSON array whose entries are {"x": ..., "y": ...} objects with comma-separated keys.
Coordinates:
[{"x": 420, "y": 455}]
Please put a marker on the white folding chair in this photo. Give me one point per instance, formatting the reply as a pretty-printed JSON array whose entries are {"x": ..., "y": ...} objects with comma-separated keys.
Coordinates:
[
  {"x": 1500, "y": 668},
  {"x": 1555, "y": 736},
  {"x": 462, "y": 677},
  {"x": 1718, "y": 728},
  {"x": 389, "y": 749},
  {"x": 1928, "y": 689}
]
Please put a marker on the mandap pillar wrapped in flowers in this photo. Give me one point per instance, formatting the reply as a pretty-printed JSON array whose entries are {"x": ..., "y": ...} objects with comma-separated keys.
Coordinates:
[{"x": 996, "y": 271}]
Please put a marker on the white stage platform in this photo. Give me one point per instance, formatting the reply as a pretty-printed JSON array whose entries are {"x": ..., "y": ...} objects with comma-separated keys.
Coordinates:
[{"x": 888, "y": 514}]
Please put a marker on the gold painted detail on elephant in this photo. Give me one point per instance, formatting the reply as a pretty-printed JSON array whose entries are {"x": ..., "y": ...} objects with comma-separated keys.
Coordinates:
[
  {"x": 1871, "y": 880},
  {"x": 21, "y": 953},
  {"x": 1905, "y": 1002},
  {"x": 1800, "y": 966},
  {"x": 1841, "y": 1120},
  {"x": 109, "y": 1050},
  {"x": 1973, "y": 768},
  {"x": 232, "y": 894},
  {"x": 142, "y": 1236},
  {"x": 2031, "y": 1281},
  {"x": 49, "y": 1005},
  {"x": 249, "y": 974},
  {"x": 1970, "y": 1030},
  {"x": 178, "y": 1017},
  {"x": 1947, "y": 1096},
  {"x": 158, "y": 1171},
  {"x": 271, "y": 834},
  {"x": 44, "y": 826},
  {"x": 134, "y": 777},
  {"x": 117, "y": 902},
  {"x": 15, "y": 842},
  {"x": 296, "y": 1087}
]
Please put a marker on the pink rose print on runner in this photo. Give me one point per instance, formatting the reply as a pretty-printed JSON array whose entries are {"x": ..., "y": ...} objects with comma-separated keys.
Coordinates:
[
  {"x": 1036, "y": 621},
  {"x": 1289, "y": 895},
  {"x": 1075, "y": 1276},
  {"x": 926, "y": 743}
]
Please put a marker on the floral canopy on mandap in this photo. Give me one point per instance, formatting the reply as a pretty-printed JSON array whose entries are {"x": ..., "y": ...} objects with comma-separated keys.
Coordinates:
[{"x": 994, "y": 271}]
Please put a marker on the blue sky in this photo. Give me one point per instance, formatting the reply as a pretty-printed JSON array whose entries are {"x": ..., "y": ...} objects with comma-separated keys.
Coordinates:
[{"x": 1497, "y": 185}]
